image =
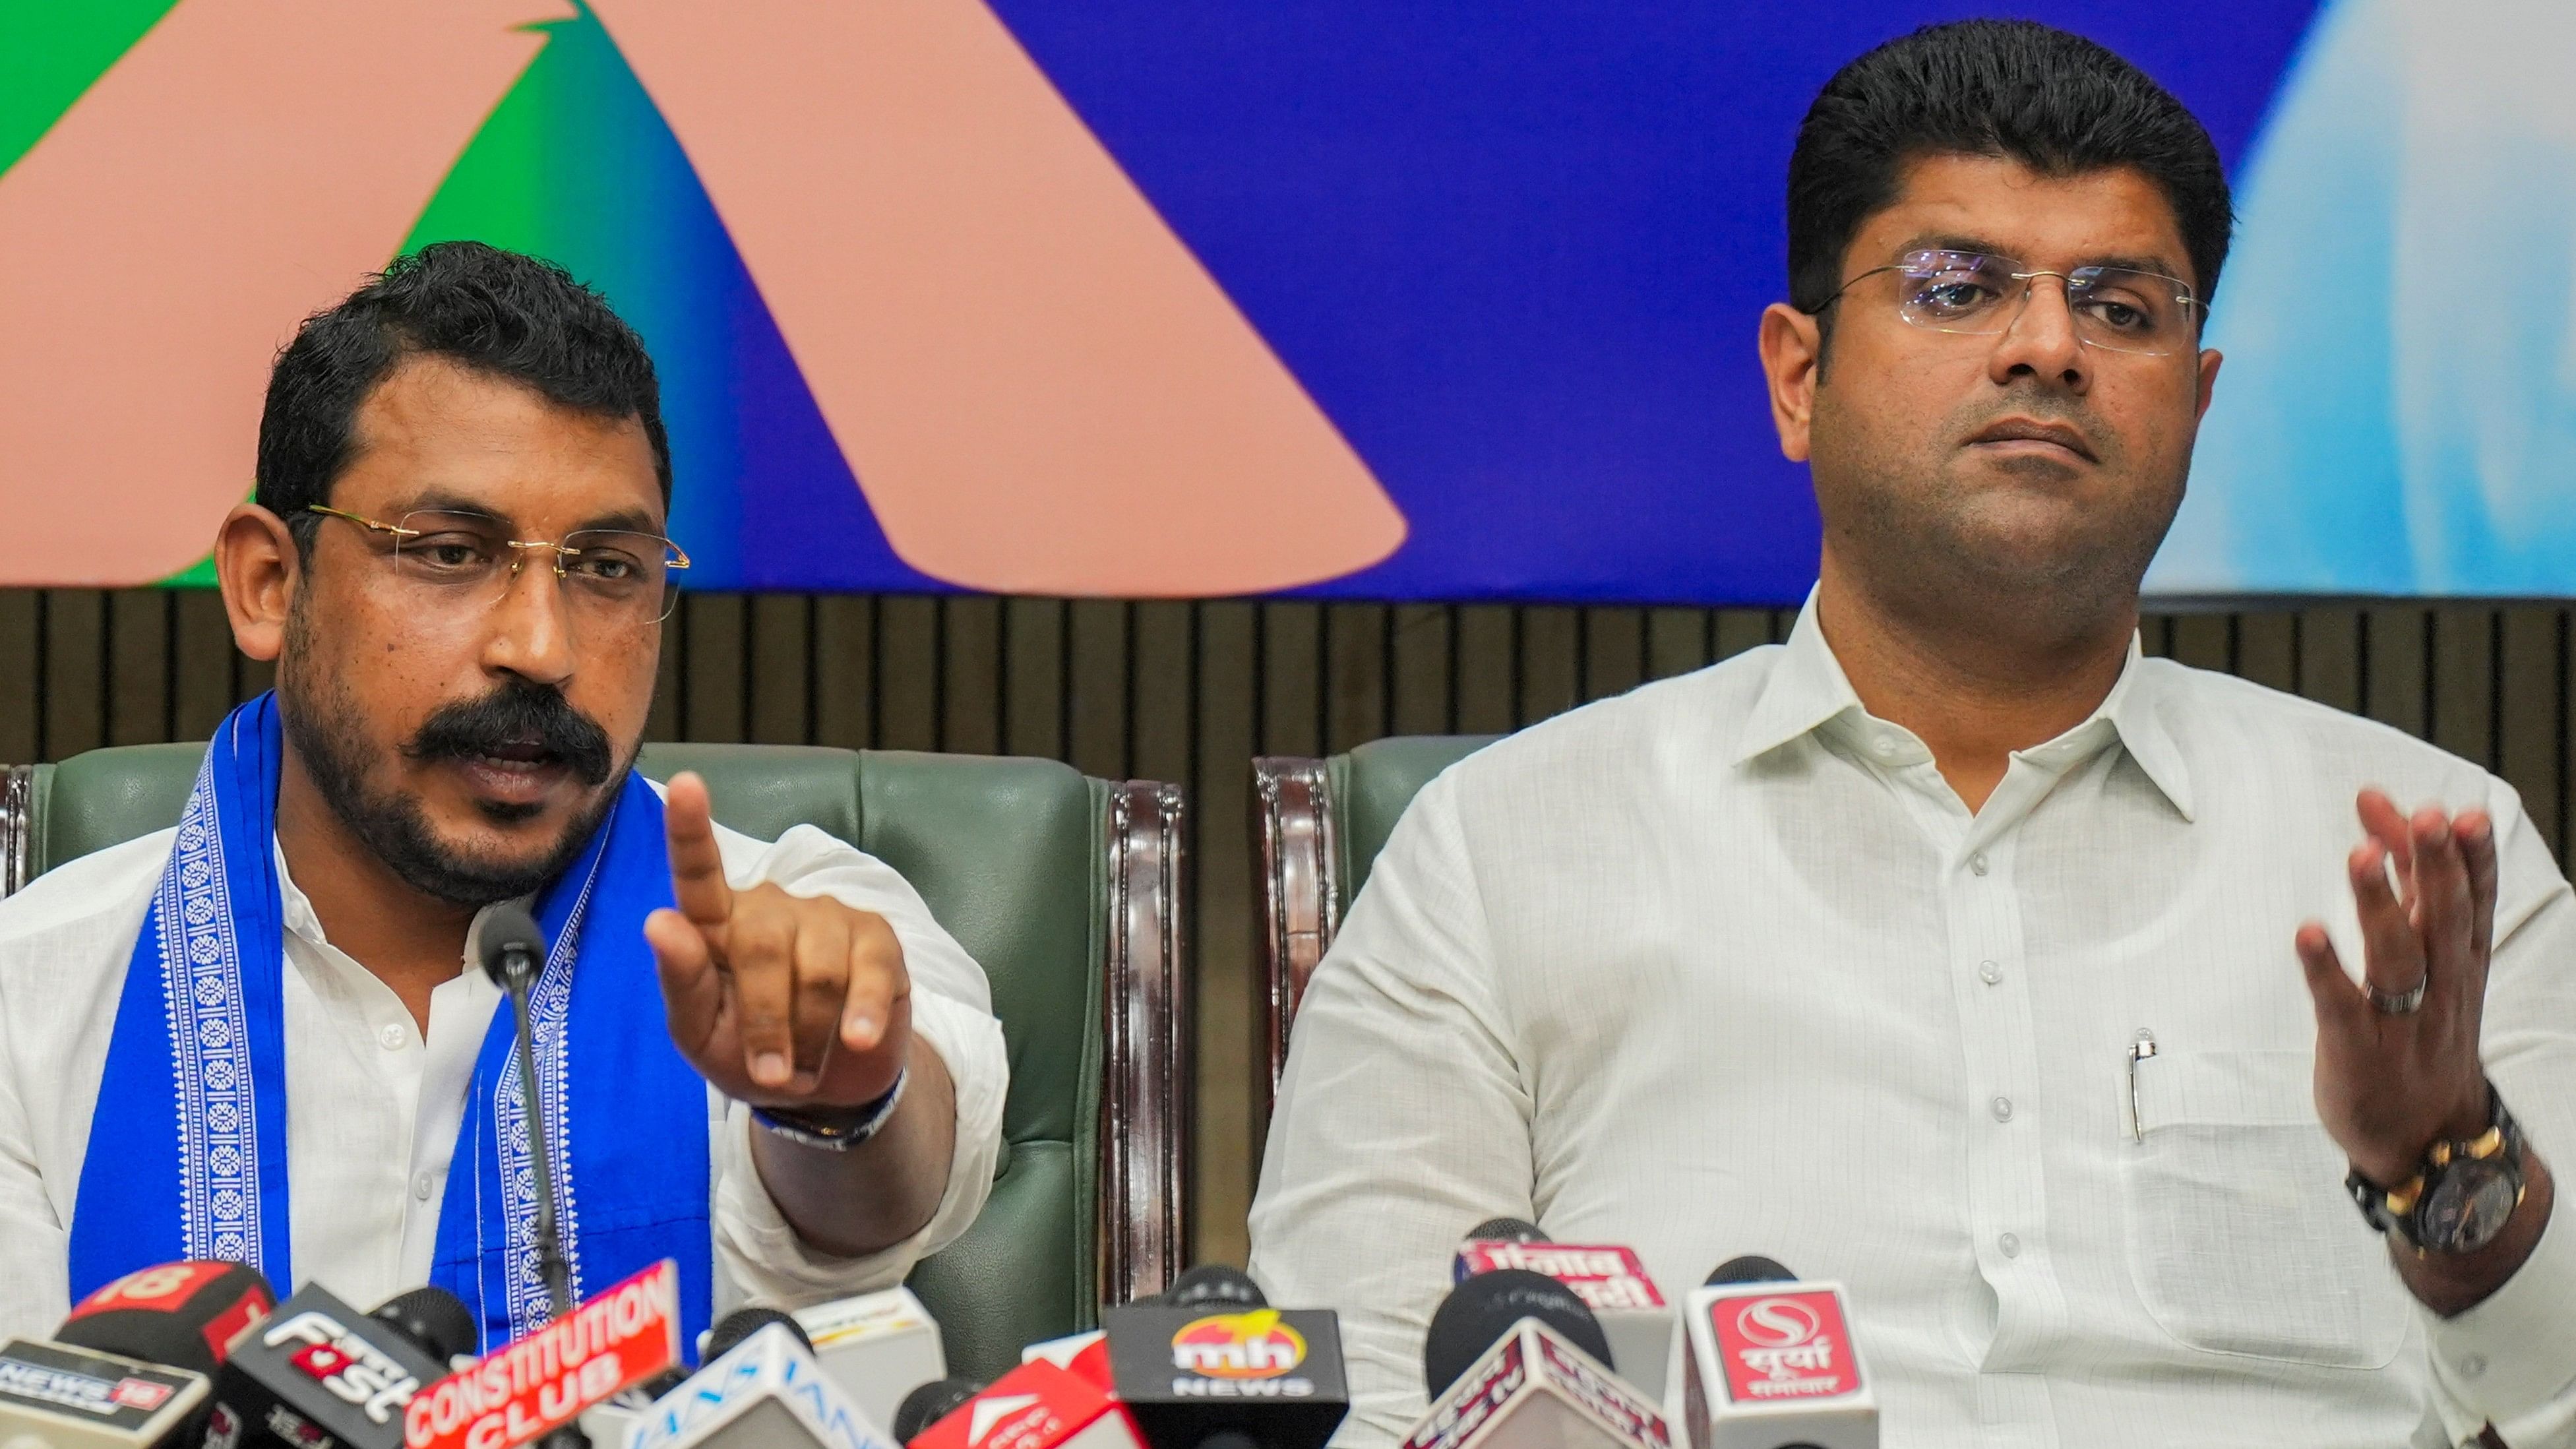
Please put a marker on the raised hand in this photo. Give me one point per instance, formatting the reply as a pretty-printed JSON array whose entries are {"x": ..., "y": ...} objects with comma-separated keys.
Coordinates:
[
  {"x": 777, "y": 1000},
  {"x": 2395, "y": 1072}
]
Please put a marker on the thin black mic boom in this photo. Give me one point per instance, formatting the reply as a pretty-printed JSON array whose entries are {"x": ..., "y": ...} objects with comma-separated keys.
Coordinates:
[{"x": 514, "y": 951}]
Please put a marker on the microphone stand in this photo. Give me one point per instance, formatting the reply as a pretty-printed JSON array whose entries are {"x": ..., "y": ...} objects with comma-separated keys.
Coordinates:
[{"x": 518, "y": 972}]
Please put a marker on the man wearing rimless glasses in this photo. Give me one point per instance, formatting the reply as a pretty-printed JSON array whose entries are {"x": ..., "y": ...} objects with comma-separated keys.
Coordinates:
[
  {"x": 260, "y": 1037},
  {"x": 2034, "y": 989}
]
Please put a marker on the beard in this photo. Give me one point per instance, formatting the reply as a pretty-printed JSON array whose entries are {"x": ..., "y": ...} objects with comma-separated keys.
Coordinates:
[{"x": 323, "y": 722}]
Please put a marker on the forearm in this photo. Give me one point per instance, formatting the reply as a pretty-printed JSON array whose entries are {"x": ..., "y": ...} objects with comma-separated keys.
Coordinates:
[{"x": 850, "y": 1204}]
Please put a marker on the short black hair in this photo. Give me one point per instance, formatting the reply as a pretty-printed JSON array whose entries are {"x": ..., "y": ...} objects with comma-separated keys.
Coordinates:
[
  {"x": 2055, "y": 102},
  {"x": 498, "y": 312}
]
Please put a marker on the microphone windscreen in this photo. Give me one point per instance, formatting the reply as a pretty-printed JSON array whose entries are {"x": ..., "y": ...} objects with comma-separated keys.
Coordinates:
[
  {"x": 1505, "y": 1230},
  {"x": 506, "y": 929},
  {"x": 181, "y": 1315},
  {"x": 742, "y": 1323},
  {"x": 1478, "y": 1312},
  {"x": 929, "y": 1404},
  {"x": 1751, "y": 1268},
  {"x": 1215, "y": 1283},
  {"x": 435, "y": 1319}
]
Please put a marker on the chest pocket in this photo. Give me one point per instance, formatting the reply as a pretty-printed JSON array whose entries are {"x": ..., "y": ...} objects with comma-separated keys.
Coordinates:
[{"x": 2240, "y": 1237}]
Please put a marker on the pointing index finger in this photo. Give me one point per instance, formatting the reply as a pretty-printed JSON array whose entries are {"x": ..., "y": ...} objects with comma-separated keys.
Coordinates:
[{"x": 697, "y": 867}]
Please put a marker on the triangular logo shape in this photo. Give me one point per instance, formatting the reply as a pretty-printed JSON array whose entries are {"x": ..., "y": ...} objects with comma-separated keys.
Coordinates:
[{"x": 989, "y": 1412}]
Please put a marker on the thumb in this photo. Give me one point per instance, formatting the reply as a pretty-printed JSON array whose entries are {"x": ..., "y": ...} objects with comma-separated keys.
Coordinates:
[{"x": 692, "y": 988}]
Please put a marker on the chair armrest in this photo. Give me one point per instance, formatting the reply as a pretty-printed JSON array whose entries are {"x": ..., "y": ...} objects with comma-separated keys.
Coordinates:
[
  {"x": 1300, "y": 870},
  {"x": 1149, "y": 1036},
  {"x": 17, "y": 825}
]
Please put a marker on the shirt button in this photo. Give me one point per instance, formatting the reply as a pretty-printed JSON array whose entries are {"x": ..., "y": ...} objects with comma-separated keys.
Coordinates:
[
  {"x": 2010, "y": 1244},
  {"x": 1977, "y": 863},
  {"x": 1989, "y": 973},
  {"x": 393, "y": 1037},
  {"x": 421, "y": 1187},
  {"x": 1884, "y": 748},
  {"x": 2003, "y": 1109},
  {"x": 2472, "y": 1365}
]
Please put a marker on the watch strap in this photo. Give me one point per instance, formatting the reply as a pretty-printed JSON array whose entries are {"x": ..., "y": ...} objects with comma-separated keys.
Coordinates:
[
  {"x": 836, "y": 1129},
  {"x": 2397, "y": 1209}
]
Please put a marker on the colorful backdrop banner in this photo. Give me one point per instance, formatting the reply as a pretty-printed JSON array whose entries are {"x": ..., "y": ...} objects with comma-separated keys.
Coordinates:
[{"x": 1341, "y": 298}]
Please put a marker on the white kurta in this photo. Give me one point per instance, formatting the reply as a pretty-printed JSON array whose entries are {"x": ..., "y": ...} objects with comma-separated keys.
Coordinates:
[
  {"x": 1723, "y": 966},
  {"x": 372, "y": 1109}
]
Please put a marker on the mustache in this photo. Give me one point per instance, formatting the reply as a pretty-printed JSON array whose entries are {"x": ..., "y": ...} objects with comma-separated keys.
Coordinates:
[{"x": 509, "y": 722}]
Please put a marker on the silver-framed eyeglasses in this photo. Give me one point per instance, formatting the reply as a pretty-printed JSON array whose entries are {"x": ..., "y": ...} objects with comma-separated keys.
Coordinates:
[
  {"x": 2118, "y": 309},
  {"x": 454, "y": 559}
]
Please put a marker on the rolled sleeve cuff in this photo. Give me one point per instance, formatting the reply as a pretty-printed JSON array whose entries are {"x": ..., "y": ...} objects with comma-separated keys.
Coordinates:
[
  {"x": 2511, "y": 1360},
  {"x": 761, "y": 1251}
]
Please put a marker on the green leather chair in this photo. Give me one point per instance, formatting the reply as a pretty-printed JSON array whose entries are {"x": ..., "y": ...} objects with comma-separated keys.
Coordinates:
[
  {"x": 1065, "y": 888},
  {"x": 1321, "y": 824}
]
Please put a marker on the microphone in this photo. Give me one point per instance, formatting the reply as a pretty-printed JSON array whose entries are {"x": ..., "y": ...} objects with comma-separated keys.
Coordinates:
[
  {"x": 514, "y": 953},
  {"x": 182, "y": 1315},
  {"x": 317, "y": 1371},
  {"x": 1611, "y": 1280},
  {"x": 1034, "y": 1406},
  {"x": 764, "y": 1391},
  {"x": 53, "y": 1396},
  {"x": 876, "y": 1346},
  {"x": 532, "y": 1387},
  {"x": 1226, "y": 1362},
  {"x": 1771, "y": 1364},
  {"x": 928, "y": 1404},
  {"x": 1514, "y": 1360}
]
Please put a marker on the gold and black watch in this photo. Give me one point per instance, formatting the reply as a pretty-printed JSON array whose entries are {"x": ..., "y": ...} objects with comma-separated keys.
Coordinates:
[{"x": 2462, "y": 1194}]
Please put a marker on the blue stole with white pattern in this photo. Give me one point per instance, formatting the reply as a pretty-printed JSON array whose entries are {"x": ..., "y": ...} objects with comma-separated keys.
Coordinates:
[{"x": 187, "y": 1150}]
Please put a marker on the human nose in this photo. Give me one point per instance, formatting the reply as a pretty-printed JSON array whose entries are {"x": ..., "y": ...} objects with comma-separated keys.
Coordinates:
[
  {"x": 531, "y": 623},
  {"x": 2042, "y": 340}
]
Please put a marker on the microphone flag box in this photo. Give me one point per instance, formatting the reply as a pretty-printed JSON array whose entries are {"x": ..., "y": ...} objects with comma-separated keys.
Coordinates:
[
  {"x": 318, "y": 1373},
  {"x": 1769, "y": 1358},
  {"x": 1611, "y": 1280},
  {"x": 83, "y": 1399},
  {"x": 1534, "y": 1388},
  {"x": 1086, "y": 1354},
  {"x": 877, "y": 1346},
  {"x": 764, "y": 1391},
  {"x": 532, "y": 1386},
  {"x": 1185, "y": 1372},
  {"x": 1034, "y": 1406}
]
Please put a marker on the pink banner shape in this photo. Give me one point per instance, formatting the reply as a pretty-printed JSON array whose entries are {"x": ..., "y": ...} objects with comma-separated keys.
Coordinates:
[
  {"x": 243, "y": 165},
  {"x": 1040, "y": 389}
]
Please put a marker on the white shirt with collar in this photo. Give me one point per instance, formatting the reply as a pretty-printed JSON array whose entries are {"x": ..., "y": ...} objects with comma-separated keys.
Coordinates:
[
  {"x": 372, "y": 1109},
  {"x": 1724, "y": 966}
]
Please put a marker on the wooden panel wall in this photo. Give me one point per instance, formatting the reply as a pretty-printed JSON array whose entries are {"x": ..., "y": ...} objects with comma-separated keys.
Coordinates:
[{"x": 1189, "y": 692}]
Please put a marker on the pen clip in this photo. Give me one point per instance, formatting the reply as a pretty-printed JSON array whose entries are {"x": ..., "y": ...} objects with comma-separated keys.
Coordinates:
[{"x": 2139, "y": 1050}]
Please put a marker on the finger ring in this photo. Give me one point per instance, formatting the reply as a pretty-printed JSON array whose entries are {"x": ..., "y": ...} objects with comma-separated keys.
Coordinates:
[{"x": 2402, "y": 1004}]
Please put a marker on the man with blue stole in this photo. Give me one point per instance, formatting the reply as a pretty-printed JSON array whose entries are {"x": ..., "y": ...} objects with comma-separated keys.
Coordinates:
[{"x": 261, "y": 1036}]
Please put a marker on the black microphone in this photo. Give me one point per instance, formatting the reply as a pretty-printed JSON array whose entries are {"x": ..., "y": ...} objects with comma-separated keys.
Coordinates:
[
  {"x": 435, "y": 1320},
  {"x": 1215, "y": 1283},
  {"x": 1516, "y": 1360},
  {"x": 132, "y": 1365},
  {"x": 184, "y": 1315},
  {"x": 319, "y": 1369},
  {"x": 1477, "y": 1313},
  {"x": 929, "y": 1404},
  {"x": 1750, "y": 1268},
  {"x": 514, "y": 952},
  {"x": 1505, "y": 1230},
  {"x": 742, "y": 1323}
]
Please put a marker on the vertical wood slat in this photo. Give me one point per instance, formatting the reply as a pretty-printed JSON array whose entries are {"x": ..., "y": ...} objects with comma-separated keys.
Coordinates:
[{"x": 1190, "y": 692}]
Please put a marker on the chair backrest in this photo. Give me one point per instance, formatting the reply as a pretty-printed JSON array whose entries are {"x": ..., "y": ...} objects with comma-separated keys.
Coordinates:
[
  {"x": 1321, "y": 824},
  {"x": 1065, "y": 888}
]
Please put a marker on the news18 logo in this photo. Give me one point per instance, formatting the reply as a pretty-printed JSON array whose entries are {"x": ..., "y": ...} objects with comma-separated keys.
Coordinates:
[
  {"x": 1252, "y": 1345},
  {"x": 1784, "y": 1346}
]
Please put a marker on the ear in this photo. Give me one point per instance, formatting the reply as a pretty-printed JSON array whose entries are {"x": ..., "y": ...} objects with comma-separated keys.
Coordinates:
[
  {"x": 1792, "y": 344},
  {"x": 2209, "y": 360},
  {"x": 259, "y": 572}
]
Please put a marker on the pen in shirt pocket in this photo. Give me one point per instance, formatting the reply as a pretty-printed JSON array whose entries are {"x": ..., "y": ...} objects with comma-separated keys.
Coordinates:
[{"x": 2141, "y": 1049}]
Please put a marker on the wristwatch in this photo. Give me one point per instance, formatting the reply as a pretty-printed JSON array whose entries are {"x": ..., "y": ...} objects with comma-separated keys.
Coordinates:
[
  {"x": 834, "y": 1129},
  {"x": 2461, "y": 1195}
]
